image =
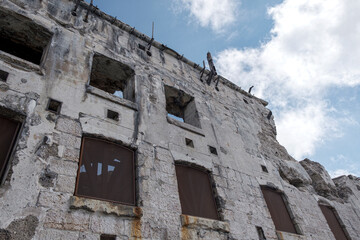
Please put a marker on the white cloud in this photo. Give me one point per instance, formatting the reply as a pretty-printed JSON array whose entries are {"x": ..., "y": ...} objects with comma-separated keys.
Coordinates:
[
  {"x": 211, "y": 13},
  {"x": 340, "y": 172},
  {"x": 314, "y": 47}
]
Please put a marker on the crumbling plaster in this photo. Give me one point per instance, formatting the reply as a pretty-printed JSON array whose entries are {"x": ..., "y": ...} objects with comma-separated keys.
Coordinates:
[{"x": 42, "y": 177}]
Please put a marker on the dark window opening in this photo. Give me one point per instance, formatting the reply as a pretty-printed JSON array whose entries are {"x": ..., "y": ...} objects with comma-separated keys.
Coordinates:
[
  {"x": 181, "y": 106},
  {"x": 54, "y": 106},
  {"x": 264, "y": 168},
  {"x": 278, "y": 210},
  {"x": 261, "y": 233},
  {"x": 189, "y": 142},
  {"x": 195, "y": 192},
  {"x": 9, "y": 130},
  {"x": 107, "y": 237},
  {"x": 21, "y": 37},
  {"x": 142, "y": 47},
  {"x": 106, "y": 172},
  {"x": 3, "y": 75},
  {"x": 213, "y": 150},
  {"x": 333, "y": 222},
  {"x": 112, "y": 115},
  {"x": 113, "y": 77}
]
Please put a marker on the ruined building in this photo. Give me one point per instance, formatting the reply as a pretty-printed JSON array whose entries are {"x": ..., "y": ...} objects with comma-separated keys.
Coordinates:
[{"x": 108, "y": 134}]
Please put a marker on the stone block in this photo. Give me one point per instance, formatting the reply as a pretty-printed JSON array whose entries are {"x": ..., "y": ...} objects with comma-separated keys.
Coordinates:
[
  {"x": 63, "y": 167},
  {"x": 68, "y": 125},
  {"x": 93, "y": 205},
  {"x": 73, "y": 221},
  {"x": 53, "y": 234},
  {"x": 65, "y": 184},
  {"x": 72, "y": 154},
  {"x": 53, "y": 199}
]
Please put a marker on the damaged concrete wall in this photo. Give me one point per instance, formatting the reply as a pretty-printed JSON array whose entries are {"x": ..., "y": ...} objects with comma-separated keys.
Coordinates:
[{"x": 37, "y": 196}]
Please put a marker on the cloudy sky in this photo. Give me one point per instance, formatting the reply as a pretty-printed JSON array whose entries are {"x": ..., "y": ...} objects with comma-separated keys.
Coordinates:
[{"x": 302, "y": 56}]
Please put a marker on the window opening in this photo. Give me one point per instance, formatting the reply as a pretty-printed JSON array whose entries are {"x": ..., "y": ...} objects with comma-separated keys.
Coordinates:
[
  {"x": 142, "y": 47},
  {"x": 333, "y": 222},
  {"x": 54, "y": 106},
  {"x": 3, "y": 75},
  {"x": 278, "y": 210},
  {"x": 189, "y": 142},
  {"x": 113, "y": 77},
  {"x": 264, "y": 168},
  {"x": 213, "y": 150},
  {"x": 9, "y": 130},
  {"x": 22, "y": 38},
  {"x": 195, "y": 192},
  {"x": 181, "y": 106},
  {"x": 106, "y": 172},
  {"x": 261, "y": 233},
  {"x": 107, "y": 237},
  {"x": 113, "y": 115}
]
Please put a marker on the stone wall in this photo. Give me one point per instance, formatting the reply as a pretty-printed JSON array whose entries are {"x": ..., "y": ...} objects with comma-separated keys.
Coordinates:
[{"x": 37, "y": 195}]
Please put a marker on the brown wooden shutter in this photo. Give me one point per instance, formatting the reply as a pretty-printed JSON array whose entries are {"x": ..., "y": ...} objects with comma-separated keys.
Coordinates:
[
  {"x": 333, "y": 223},
  {"x": 106, "y": 172},
  {"x": 195, "y": 191},
  {"x": 278, "y": 211},
  {"x": 8, "y": 133}
]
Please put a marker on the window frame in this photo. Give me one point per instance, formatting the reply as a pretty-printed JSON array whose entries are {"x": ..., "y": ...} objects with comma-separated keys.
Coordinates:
[
  {"x": 134, "y": 203},
  {"x": 212, "y": 189},
  {"x": 20, "y": 60},
  {"x": 11, "y": 151},
  {"x": 182, "y": 118},
  {"x": 337, "y": 218},
  {"x": 286, "y": 206}
]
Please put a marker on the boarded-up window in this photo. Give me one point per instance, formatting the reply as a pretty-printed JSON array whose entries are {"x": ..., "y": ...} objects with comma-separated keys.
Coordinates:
[
  {"x": 106, "y": 172},
  {"x": 196, "y": 194},
  {"x": 333, "y": 223},
  {"x": 278, "y": 210},
  {"x": 8, "y": 133}
]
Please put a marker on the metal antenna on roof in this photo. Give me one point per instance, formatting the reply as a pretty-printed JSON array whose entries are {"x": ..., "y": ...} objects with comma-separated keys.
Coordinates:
[
  {"x": 152, "y": 37},
  {"x": 73, "y": 12},
  {"x": 88, "y": 10},
  {"x": 152, "y": 34}
]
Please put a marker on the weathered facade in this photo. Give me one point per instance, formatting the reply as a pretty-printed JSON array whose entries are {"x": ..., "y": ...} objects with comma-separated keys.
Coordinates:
[{"x": 72, "y": 76}]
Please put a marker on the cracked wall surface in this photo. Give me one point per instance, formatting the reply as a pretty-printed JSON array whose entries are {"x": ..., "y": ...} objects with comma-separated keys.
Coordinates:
[{"x": 37, "y": 194}]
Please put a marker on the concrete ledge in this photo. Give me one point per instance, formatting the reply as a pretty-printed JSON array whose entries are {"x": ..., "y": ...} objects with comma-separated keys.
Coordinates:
[
  {"x": 289, "y": 236},
  {"x": 204, "y": 223},
  {"x": 110, "y": 97},
  {"x": 20, "y": 63},
  {"x": 186, "y": 126},
  {"x": 93, "y": 205}
]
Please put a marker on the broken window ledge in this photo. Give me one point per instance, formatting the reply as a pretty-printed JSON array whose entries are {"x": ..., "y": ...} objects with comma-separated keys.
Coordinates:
[
  {"x": 204, "y": 223},
  {"x": 185, "y": 126},
  {"x": 20, "y": 63},
  {"x": 94, "y": 205},
  {"x": 285, "y": 235},
  {"x": 110, "y": 97}
]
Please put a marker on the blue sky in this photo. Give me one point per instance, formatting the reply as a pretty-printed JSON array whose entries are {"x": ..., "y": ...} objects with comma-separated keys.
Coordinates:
[{"x": 302, "y": 56}]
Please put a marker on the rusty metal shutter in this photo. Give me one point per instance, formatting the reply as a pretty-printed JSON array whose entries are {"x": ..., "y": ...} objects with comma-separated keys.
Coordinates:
[
  {"x": 278, "y": 211},
  {"x": 333, "y": 223},
  {"x": 106, "y": 172},
  {"x": 195, "y": 191},
  {"x": 8, "y": 133}
]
